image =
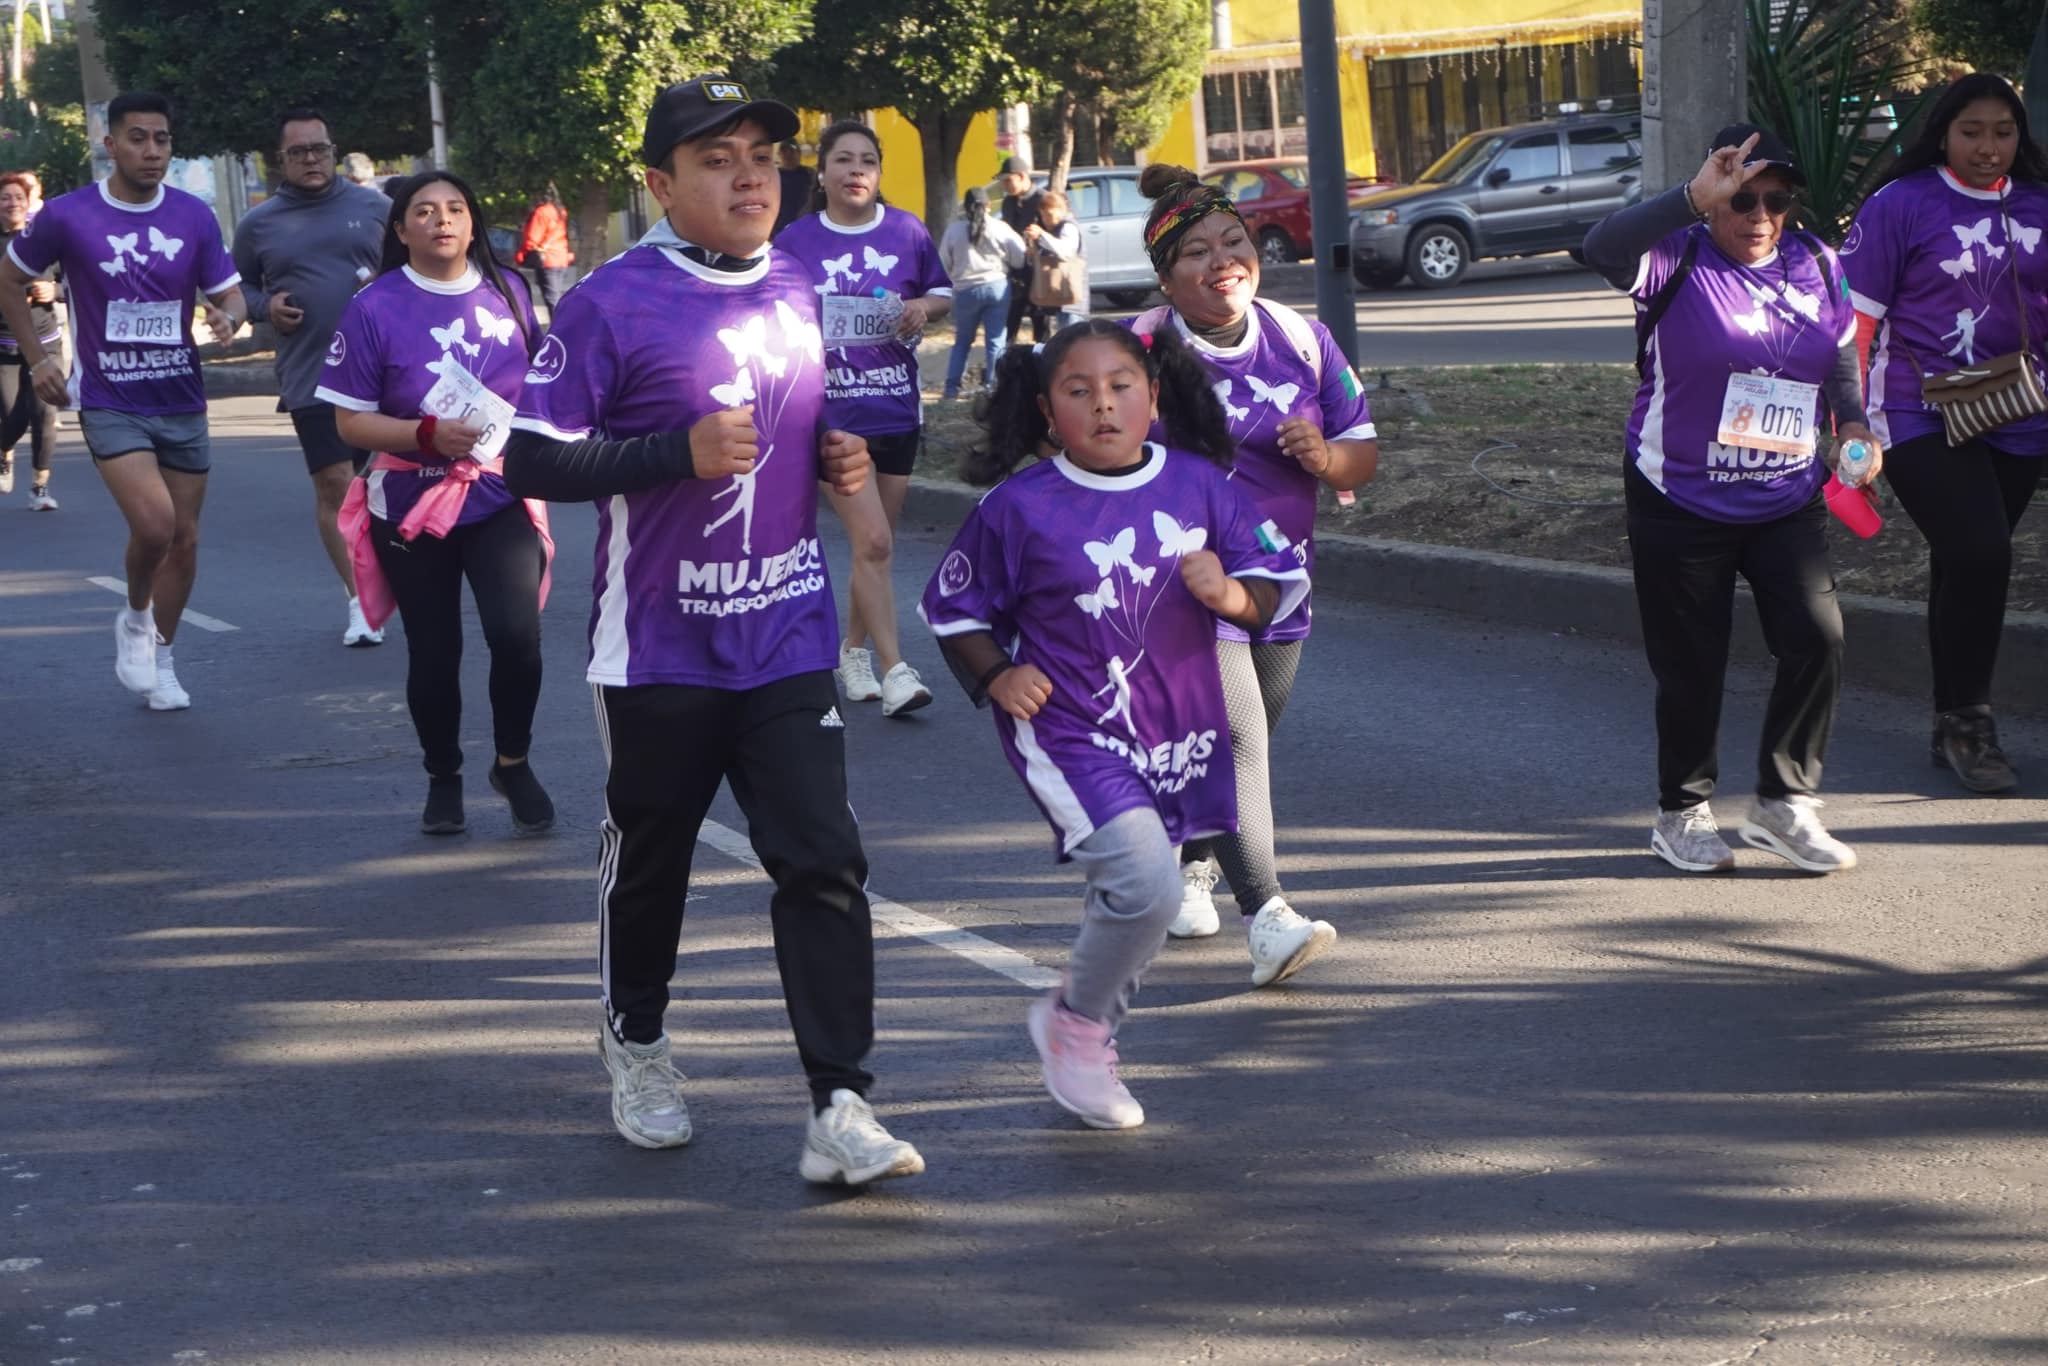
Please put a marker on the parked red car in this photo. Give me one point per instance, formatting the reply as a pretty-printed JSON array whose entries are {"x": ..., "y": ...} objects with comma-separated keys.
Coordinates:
[{"x": 1273, "y": 198}]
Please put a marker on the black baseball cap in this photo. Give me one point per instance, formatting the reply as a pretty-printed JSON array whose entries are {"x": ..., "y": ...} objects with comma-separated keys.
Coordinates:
[
  {"x": 1769, "y": 151},
  {"x": 1015, "y": 166},
  {"x": 690, "y": 109}
]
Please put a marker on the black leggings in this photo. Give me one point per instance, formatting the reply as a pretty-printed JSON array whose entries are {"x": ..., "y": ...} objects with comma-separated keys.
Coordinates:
[
  {"x": 1966, "y": 500},
  {"x": 501, "y": 556},
  {"x": 22, "y": 412}
]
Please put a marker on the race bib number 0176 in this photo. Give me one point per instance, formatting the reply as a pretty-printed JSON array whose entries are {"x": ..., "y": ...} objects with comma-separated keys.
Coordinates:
[
  {"x": 1765, "y": 413},
  {"x": 158, "y": 323},
  {"x": 860, "y": 320}
]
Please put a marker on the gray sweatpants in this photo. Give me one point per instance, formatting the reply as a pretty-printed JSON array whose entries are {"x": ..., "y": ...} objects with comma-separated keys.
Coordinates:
[{"x": 1133, "y": 895}]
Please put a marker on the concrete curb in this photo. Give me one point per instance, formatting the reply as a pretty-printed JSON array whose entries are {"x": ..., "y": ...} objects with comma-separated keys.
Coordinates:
[{"x": 1887, "y": 640}]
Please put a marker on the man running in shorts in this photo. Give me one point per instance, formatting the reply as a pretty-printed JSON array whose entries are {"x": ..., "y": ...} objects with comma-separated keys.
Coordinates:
[
  {"x": 682, "y": 386},
  {"x": 303, "y": 253},
  {"x": 135, "y": 255}
]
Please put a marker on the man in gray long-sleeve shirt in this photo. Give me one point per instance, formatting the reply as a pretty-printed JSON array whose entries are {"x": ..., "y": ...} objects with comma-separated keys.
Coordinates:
[{"x": 303, "y": 253}]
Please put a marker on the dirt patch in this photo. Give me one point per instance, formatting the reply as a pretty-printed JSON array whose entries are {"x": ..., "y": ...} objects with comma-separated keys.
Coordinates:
[{"x": 1525, "y": 460}]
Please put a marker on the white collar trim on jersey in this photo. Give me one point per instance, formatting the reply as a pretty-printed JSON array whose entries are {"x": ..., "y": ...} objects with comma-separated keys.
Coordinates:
[
  {"x": 1972, "y": 191},
  {"x": 1115, "y": 483},
  {"x": 461, "y": 284},
  {"x": 881, "y": 210},
  {"x": 753, "y": 274},
  {"x": 1237, "y": 352},
  {"x": 155, "y": 201}
]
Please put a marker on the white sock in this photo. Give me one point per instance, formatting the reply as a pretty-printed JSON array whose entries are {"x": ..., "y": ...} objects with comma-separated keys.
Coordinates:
[{"x": 163, "y": 655}]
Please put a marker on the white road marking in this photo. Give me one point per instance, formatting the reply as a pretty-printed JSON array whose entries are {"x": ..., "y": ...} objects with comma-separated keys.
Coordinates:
[
  {"x": 903, "y": 920},
  {"x": 190, "y": 617}
]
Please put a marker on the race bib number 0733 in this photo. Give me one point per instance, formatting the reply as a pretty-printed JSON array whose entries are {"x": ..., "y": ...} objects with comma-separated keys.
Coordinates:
[{"x": 156, "y": 323}]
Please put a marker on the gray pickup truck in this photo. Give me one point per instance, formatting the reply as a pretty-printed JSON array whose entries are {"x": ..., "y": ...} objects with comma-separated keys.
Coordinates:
[{"x": 1516, "y": 191}]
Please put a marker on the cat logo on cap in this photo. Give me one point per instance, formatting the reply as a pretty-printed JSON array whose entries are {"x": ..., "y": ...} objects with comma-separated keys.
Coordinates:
[{"x": 725, "y": 90}]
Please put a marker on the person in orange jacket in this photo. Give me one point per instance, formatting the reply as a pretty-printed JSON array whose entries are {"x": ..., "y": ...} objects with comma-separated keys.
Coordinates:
[{"x": 544, "y": 246}]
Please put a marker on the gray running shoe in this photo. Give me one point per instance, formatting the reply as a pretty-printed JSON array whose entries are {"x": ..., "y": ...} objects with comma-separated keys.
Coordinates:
[
  {"x": 847, "y": 1146},
  {"x": 1790, "y": 829},
  {"x": 647, "y": 1092},
  {"x": 1690, "y": 841}
]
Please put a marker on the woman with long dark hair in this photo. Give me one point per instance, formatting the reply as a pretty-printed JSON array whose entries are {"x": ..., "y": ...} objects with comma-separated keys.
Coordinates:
[
  {"x": 879, "y": 282},
  {"x": 424, "y": 369},
  {"x": 1948, "y": 263},
  {"x": 979, "y": 251}
]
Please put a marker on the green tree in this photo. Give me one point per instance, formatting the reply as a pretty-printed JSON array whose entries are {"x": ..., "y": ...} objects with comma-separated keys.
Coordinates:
[
  {"x": 45, "y": 132},
  {"x": 936, "y": 62},
  {"x": 231, "y": 66},
  {"x": 560, "y": 92},
  {"x": 1991, "y": 35},
  {"x": 1127, "y": 63}
]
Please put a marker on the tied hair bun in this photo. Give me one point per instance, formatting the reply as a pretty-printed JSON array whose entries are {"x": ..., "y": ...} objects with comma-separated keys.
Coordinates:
[{"x": 1163, "y": 178}]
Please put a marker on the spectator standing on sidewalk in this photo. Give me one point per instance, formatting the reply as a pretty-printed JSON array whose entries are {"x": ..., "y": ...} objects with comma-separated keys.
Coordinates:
[
  {"x": 544, "y": 247},
  {"x": 799, "y": 183},
  {"x": 302, "y": 254},
  {"x": 1020, "y": 211},
  {"x": 979, "y": 252}
]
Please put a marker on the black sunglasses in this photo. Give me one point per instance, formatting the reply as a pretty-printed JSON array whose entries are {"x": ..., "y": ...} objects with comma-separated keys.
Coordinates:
[{"x": 1776, "y": 202}]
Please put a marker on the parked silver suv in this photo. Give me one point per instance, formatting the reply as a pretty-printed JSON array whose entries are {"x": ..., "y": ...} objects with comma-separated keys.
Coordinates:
[
  {"x": 1111, "y": 213},
  {"x": 1516, "y": 191}
]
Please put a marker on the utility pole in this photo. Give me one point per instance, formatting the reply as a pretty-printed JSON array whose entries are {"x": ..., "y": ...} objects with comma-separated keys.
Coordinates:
[
  {"x": 435, "y": 112},
  {"x": 1695, "y": 83},
  {"x": 1329, "y": 204}
]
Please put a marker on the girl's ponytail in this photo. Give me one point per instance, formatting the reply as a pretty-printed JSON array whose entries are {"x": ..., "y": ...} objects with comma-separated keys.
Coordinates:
[
  {"x": 1188, "y": 407},
  {"x": 1014, "y": 420}
]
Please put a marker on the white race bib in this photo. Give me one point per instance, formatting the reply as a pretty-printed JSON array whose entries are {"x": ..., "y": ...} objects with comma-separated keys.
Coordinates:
[
  {"x": 458, "y": 396},
  {"x": 860, "y": 319},
  {"x": 159, "y": 323},
  {"x": 1765, "y": 413}
]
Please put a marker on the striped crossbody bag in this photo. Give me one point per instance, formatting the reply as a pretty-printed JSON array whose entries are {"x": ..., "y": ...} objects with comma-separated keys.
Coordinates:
[{"x": 1976, "y": 398}]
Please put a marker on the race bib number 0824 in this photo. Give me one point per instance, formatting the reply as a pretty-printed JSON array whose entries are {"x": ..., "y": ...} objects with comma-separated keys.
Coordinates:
[{"x": 856, "y": 319}]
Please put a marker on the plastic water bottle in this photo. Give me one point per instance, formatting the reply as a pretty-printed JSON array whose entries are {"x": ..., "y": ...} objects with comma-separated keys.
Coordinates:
[{"x": 1852, "y": 461}]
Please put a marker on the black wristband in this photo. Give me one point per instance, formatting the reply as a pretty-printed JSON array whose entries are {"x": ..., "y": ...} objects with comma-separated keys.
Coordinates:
[{"x": 992, "y": 673}]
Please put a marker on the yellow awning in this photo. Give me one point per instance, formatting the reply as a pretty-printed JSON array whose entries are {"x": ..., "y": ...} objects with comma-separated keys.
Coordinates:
[{"x": 1390, "y": 27}]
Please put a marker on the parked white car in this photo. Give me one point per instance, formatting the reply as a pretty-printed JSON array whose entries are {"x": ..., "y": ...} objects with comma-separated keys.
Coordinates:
[{"x": 1105, "y": 201}]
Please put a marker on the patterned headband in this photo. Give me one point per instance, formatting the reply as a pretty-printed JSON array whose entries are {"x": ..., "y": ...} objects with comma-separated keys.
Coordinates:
[{"x": 1201, "y": 201}]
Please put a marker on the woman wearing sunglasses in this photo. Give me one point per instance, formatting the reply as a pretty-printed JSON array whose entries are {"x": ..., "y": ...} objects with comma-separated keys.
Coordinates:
[
  {"x": 1746, "y": 341},
  {"x": 1940, "y": 259}
]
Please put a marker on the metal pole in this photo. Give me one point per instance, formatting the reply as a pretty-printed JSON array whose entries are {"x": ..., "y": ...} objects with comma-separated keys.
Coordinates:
[
  {"x": 1329, "y": 205},
  {"x": 435, "y": 112}
]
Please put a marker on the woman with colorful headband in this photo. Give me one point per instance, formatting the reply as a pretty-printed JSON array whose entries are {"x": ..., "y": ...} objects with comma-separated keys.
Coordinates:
[{"x": 1300, "y": 420}]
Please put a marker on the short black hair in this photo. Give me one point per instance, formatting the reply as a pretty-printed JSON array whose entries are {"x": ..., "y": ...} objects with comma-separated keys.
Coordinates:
[
  {"x": 135, "y": 102},
  {"x": 723, "y": 130},
  {"x": 302, "y": 113}
]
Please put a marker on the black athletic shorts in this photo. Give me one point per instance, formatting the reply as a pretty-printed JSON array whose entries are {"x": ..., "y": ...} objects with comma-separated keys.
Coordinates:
[
  {"x": 321, "y": 441},
  {"x": 896, "y": 452}
]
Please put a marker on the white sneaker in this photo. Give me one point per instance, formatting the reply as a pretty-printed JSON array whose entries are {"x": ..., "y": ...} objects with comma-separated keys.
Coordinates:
[
  {"x": 167, "y": 695},
  {"x": 856, "y": 674},
  {"x": 847, "y": 1146},
  {"x": 1789, "y": 828},
  {"x": 903, "y": 690},
  {"x": 6, "y": 474},
  {"x": 1283, "y": 941},
  {"x": 647, "y": 1092},
  {"x": 359, "y": 632},
  {"x": 1689, "y": 839},
  {"x": 135, "y": 649},
  {"x": 39, "y": 499},
  {"x": 1197, "y": 918}
]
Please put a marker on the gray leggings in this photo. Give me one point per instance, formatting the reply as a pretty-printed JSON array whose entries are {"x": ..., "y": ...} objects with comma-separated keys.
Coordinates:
[
  {"x": 1257, "y": 681},
  {"x": 1133, "y": 895}
]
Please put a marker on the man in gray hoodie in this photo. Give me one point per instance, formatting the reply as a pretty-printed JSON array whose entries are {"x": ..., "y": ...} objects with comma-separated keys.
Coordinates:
[{"x": 303, "y": 253}]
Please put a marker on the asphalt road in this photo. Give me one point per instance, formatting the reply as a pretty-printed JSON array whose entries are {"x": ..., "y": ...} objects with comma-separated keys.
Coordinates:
[{"x": 283, "y": 1081}]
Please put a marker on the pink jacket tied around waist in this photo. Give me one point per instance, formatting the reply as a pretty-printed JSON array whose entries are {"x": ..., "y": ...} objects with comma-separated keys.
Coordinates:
[{"x": 435, "y": 513}]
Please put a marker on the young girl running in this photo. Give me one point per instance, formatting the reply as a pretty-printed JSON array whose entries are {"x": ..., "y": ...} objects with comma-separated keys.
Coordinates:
[
  {"x": 880, "y": 281},
  {"x": 424, "y": 369},
  {"x": 1081, "y": 597}
]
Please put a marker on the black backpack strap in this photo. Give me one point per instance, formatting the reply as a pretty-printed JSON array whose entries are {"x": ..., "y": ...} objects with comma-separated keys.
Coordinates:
[{"x": 1654, "y": 308}]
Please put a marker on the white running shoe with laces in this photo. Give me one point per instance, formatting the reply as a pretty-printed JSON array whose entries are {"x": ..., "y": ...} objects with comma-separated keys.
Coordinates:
[
  {"x": 1690, "y": 840},
  {"x": 845, "y": 1145},
  {"x": 7, "y": 474},
  {"x": 168, "y": 694},
  {"x": 903, "y": 690},
  {"x": 1197, "y": 918},
  {"x": 647, "y": 1092},
  {"x": 1283, "y": 941},
  {"x": 1790, "y": 829},
  {"x": 1079, "y": 1059},
  {"x": 135, "y": 649},
  {"x": 856, "y": 675},
  {"x": 359, "y": 632},
  {"x": 39, "y": 499}
]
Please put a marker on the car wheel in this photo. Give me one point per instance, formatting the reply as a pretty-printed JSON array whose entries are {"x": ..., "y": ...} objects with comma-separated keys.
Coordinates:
[
  {"x": 1276, "y": 248},
  {"x": 1437, "y": 257},
  {"x": 1378, "y": 277},
  {"x": 1127, "y": 298}
]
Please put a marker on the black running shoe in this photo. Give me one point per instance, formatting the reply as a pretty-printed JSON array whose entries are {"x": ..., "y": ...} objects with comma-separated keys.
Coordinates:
[
  {"x": 1966, "y": 743},
  {"x": 532, "y": 812},
  {"x": 443, "y": 815}
]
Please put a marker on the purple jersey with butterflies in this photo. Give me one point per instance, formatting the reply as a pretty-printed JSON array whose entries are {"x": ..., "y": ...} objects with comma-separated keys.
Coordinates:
[
  {"x": 870, "y": 389},
  {"x": 395, "y": 339},
  {"x": 1943, "y": 267},
  {"x": 1263, "y": 381},
  {"x": 715, "y": 583},
  {"x": 1781, "y": 317},
  {"x": 1079, "y": 574},
  {"x": 133, "y": 272}
]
